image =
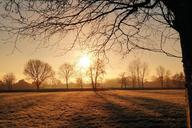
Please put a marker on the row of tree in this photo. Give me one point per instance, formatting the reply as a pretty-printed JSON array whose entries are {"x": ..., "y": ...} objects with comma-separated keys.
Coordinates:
[
  {"x": 39, "y": 71},
  {"x": 135, "y": 77},
  {"x": 138, "y": 72}
]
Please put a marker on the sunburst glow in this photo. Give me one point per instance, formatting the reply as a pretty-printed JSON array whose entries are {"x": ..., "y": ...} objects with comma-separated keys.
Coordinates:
[{"x": 84, "y": 61}]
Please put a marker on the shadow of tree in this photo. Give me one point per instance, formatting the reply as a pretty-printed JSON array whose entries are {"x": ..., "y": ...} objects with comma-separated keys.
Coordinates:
[
  {"x": 21, "y": 103},
  {"x": 102, "y": 109},
  {"x": 171, "y": 115}
]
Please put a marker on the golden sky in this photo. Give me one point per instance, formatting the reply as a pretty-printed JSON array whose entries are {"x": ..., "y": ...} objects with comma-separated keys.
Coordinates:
[
  {"x": 54, "y": 54},
  {"x": 14, "y": 62}
]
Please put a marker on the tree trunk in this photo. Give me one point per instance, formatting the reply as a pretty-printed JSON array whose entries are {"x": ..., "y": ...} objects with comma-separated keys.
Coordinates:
[
  {"x": 95, "y": 85},
  {"x": 96, "y": 81},
  {"x": 67, "y": 85},
  {"x": 37, "y": 86},
  {"x": 92, "y": 83},
  {"x": 133, "y": 82},
  {"x": 142, "y": 82},
  {"x": 138, "y": 82},
  {"x": 162, "y": 82},
  {"x": 183, "y": 24},
  {"x": 186, "y": 44}
]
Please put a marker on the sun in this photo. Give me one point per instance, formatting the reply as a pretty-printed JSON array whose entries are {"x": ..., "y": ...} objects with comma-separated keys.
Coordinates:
[{"x": 84, "y": 61}]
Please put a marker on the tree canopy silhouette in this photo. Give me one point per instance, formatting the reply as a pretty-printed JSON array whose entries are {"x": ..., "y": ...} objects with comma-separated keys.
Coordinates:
[
  {"x": 110, "y": 22},
  {"x": 8, "y": 80},
  {"x": 96, "y": 71},
  {"x": 38, "y": 71},
  {"x": 66, "y": 71}
]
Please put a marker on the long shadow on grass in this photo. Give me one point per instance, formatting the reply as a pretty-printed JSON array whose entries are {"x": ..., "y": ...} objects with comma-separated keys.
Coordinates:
[
  {"x": 21, "y": 104},
  {"x": 171, "y": 115}
]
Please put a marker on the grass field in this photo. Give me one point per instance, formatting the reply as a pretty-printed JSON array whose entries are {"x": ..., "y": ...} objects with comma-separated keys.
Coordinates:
[{"x": 87, "y": 109}]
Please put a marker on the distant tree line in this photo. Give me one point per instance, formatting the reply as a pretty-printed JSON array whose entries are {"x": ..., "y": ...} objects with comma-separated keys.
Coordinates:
[{"x": 136, "y": 76}]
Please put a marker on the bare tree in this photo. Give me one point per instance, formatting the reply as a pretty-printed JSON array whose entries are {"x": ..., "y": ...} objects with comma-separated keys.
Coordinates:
[
  {"x": 134, "y": 67},
  {"x": 115, "y": 21},
  {"x": 161, "y": 75},
  {"x": 178, "y": 80},
  {"x": 144, "y": 72},
  {"x": 54, "y": 82},
  {"x": 8, "y": 80},
  {"x": 38, "y": 71},
  {"x": 138, "y": 71},
  {"x": 167, "y": 78},
  {"x": 80, "y": 73},
  {"x": 137, "y": 64},
  {"x": 79, "y": 81},
  {"x": 96, "y": 71},
  {"x": 66, "y": 71},
  {"x": 132, "y": 74},
  {"x": 123, "y": 80}
]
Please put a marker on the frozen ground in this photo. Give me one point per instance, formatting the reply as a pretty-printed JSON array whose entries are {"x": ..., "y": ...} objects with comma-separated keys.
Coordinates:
[{"x": 105, "y": 109}]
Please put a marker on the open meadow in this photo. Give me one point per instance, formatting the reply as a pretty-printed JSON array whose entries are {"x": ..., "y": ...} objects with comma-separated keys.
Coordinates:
[{"x": 88, "y": 109}]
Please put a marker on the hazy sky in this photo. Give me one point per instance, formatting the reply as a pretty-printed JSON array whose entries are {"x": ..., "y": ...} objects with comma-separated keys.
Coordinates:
[
  {"x": 30, "y": 49},
  {"x": 14, "y": 62},
  {"x": 53, "y": 54}
]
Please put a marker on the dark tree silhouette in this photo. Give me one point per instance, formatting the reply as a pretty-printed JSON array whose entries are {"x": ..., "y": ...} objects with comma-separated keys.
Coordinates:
[
  {"x": 178, "y": 79},
  {"x": 161, "y": 75},
  {"x": 123, "y": 80},
  {"x": 96, "y": 70},
  {"x": 144, "y": 72},
  {"x": 8, "y": 80},
  {"x": 132, "y": 74},
  {"x": 66, "y": 71},
  {"x": 38, "y": 71},
  {"x": 79, "y": 81},
  {"x": 111, "y": 22},
  {"x": 167, "y": 78},
  {"x": 138, "y": 71}
]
